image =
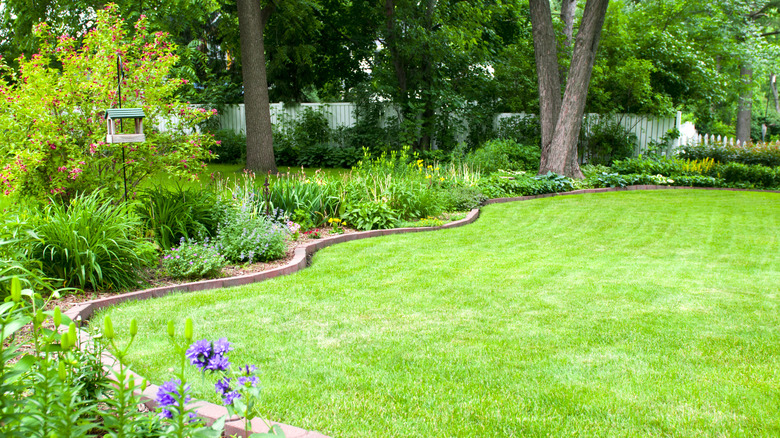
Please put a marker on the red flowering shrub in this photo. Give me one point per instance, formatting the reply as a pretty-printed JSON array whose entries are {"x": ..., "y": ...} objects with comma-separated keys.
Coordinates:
[{"x": 52, "y": 125}]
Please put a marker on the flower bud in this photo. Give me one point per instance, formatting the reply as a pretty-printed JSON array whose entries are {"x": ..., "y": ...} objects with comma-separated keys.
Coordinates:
[
  {"x": 65, "y": 341},
  {"x": 108, "y": 328},
  {"x": 57, "y": 316},
  {"x": 16, "y": 290},
  {"x": 144, "y": 382},
  {"x": 72, "y": 333},
  {"x": 61, "y": 370},
  {"x": 39, "y": 317},
  {"x": 188, "y": 329},
  {"x": 133, "y": 327},
  {"x": 171, "y": 331}
]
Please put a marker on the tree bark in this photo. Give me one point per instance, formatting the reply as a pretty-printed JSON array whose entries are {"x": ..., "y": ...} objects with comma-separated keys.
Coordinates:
[
  {"x": 546, "y": 55},
  {"x": 252, "y": 19},
  {"x": 773, "y": 86},
  {"x": 563, "y": 148},
  {"x": 568, "y": 9},
  {"x": 745, "y": 106}
]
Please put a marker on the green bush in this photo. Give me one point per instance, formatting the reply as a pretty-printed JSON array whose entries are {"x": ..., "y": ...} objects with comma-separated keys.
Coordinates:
[
  {"x": 759, "y": 176},
  {"x": 91, "y": 243},
  {"x": 170, "y": 215},
  {"x": 606, "y": 142},
  {"x": 370, "y": 215},
  {"x": 649, "y": 166},
  {"x": 521, "y": 129},
  {"x": 497, "y": 155},
  {"x": 460, "y": 198},
  {"x": 230, "y": 147},
  {"x": 247, "y": 237},
  {"x": 193, "y": 259},
  {"x": 765, "y": 154}
]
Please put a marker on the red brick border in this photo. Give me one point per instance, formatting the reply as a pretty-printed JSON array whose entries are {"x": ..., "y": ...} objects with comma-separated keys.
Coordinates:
[{"x": 211, "y": 412}]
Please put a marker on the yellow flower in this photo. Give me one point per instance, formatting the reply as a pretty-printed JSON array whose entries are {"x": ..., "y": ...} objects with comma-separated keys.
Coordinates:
[
  {"x": 441, "y": 179},
  {"x": 427, "y": 176}
]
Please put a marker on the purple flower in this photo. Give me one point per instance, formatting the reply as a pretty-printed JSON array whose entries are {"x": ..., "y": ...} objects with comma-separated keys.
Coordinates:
[
  {"x": 247, "y": 381},
  {"x": 230, "y": 396},
  {"x": 222, "y": 386},
  {"x": 247, "y": 369},
  {"x": 168, "y": 395},
  {"x": 218, "y": 363},
  {"x": 199, "y": 353},
  {"x": 222, "y": 346}
]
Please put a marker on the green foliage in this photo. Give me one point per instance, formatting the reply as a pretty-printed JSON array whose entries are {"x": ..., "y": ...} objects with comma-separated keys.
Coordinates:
[
  {"x": 194, "y": 259},
  {"x": 510, "y": 184},
  {"x": 369, "y": 215},
  {"x": 497, "y": 155},
  {"x": 170, "y": 215},
  {"x": 766, "y": 154},
  {"x": 247, "y": 237},
  {"x": 759, "y": 176},
  {"x": 423, "y": 222},
  {"x": 52, "y": 125},
  {"x": 17, "y": 237},
  {"x": 229, "y": 147},
  {"x": 91, "y": 243},
  {"x": 462, "y": 198},
  {"x": 522, "y": 129},
  {"x": 607, "y": 141},
  {"x": 649, "y": 166}
]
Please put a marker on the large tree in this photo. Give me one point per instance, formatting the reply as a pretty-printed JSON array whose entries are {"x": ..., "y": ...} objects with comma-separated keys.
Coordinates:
[
  {"x": 561, "y": 118},
  {"x": 252, "y": 19}
]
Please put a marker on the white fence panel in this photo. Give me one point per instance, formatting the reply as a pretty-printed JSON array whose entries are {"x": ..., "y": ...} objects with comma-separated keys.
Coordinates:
[{"x": 647, "y": 129}]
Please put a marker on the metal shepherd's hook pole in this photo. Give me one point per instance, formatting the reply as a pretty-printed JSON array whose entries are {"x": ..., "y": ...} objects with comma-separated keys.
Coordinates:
[{"x": 119, "y": 75}]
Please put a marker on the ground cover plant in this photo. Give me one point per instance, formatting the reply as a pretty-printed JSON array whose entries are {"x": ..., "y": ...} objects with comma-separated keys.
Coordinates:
[{"x": 614, "y": 314}]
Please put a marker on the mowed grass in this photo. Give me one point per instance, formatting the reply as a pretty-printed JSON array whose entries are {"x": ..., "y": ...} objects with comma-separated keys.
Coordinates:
[{"x": 604, "y": 315}]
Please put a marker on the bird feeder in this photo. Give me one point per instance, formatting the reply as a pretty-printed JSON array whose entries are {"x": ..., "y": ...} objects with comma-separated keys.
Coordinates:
[{"x": 114, "y": 115}]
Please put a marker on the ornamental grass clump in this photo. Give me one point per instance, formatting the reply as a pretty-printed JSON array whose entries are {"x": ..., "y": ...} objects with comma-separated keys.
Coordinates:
[
  {"x": 91, "y": 243},
  {"x": 193, "y": 259}
]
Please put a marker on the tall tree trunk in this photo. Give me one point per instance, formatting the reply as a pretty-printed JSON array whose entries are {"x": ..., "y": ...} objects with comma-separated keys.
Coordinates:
[
  {"x": 563, "y": 148},
  {"x": 259, "y": 138},
  {"x": 744, "y": 109},
  {"x": 773, "y": 86},
  {"x": 546, "y": 55},
  {"x": 568, "y": 10}
]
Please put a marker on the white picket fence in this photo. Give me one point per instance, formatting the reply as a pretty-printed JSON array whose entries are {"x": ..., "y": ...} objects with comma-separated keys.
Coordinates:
[{"x": 647, "y": 129}]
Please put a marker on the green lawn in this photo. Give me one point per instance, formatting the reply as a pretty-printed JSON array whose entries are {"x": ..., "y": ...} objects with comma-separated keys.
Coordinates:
[{"x": 617, "y": 314}]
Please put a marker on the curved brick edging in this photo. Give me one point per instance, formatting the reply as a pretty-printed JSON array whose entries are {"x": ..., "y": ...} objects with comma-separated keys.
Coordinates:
[{"x": 302, "y": 255}]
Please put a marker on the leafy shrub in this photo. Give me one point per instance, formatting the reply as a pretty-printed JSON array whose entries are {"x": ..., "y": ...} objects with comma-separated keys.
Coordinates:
[
  {"x": 698, "y": 181},
  {"x": 521, "y": 129},
  {"x": 328, "y": 156},
  {"x": 509, "y": 184},
  {"x": 497, "y": 155},
  {"x": 91, "y": 243},
  {"x": 459, "y": 198},
  {"x": 605, "y": 179},
  {"x": 230, "y": 147},
  {"x": 171, "y": 215},
  {"x": 606, "y": 142},
  {"x": 52, "y": 123},
  {"x": 760, "y": 176},
  {"x": 193, "y": 259},
  {"x": 649, "y": 166},
  {"x": 315, "y": 196},
  {"x": 246, "y": 237},
  {"x": 370, "y": 215},
  {"x": 765, "y": 154}
]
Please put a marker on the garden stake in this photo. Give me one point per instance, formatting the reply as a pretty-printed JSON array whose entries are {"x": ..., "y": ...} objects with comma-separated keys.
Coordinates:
[
  {"x": 267, "y": 195},
  {"x": 119, "y": 75}
]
